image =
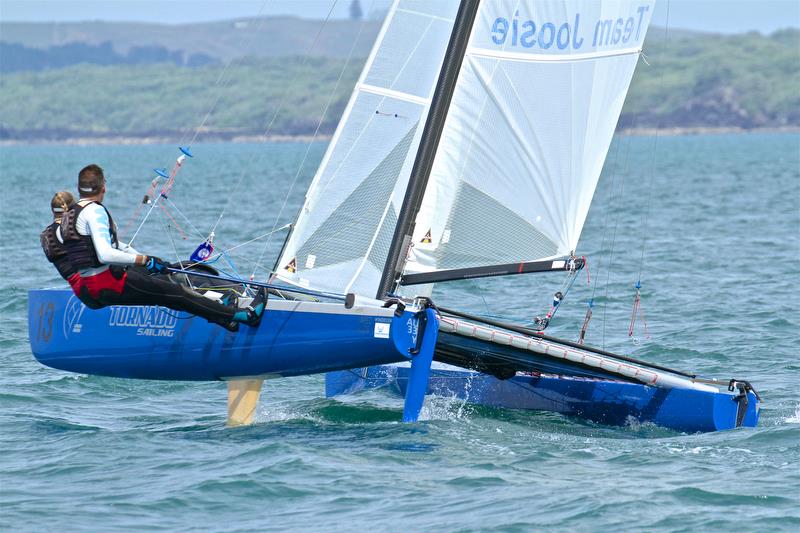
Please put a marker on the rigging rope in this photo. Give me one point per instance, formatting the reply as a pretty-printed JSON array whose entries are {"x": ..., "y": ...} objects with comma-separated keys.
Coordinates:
[
  {"x": 637, "y": 300},
  {"x": 637, "y": 311},
  {"x": 174, "y": 247},
  {"x": 216, "y": 256},
  {"x": 626, "y": 166},
  {"x": 223, "y": 80},
  {"x": 308, "y": 148},
  {"x": 174, "y": 222},
  {"x": 284, "y": 97},
  {"x": 646, "y": 214},
  {"x": 614, "y": 232},
  {"x": 167, "y": 186},
  {"x": 223, "y": 74},
  {"x": 585, "y": 326},
  {"x": 185, "y": 218},
  {"x": 615, "y": 198},
  {"x": 541, "y": 323},
  {"x": 165, "y": 189},
  {"x": 148, "y": 195}
]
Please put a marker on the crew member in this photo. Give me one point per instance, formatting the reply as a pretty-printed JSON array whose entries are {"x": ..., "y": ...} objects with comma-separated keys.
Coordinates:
[
  {"x": 115, "y": 274},
  {"x": 53, "y": 248}
]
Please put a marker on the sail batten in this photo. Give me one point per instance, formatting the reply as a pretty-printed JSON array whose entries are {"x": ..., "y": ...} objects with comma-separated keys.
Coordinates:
[
  {"x": 406, "y": 97},
  {"x": 415, "y": 12},
  {"x": 533, "y": 58}
]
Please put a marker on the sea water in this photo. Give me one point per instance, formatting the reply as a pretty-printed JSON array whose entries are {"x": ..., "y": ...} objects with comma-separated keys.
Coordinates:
[{"x": 710, "y": 225}]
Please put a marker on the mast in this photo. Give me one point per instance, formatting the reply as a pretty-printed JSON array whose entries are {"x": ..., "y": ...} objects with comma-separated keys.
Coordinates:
[{"x": 431, "y": 134}]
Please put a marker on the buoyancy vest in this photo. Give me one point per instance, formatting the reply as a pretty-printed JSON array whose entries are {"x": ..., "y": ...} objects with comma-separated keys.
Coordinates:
[
  {"x": 56, "y": 252},
  {"x": 80, "y": 248}
]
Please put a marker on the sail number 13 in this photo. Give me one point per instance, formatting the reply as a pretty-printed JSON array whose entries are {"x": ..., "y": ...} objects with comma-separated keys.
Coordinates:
[{"x": 47, "y": 313}]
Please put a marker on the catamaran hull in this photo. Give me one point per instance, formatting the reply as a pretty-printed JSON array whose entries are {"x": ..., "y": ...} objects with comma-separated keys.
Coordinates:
[
  {"x": 603, "y": 401},
  {"x": 543, "y": 374},
  {"x": 150, "y": 342}
]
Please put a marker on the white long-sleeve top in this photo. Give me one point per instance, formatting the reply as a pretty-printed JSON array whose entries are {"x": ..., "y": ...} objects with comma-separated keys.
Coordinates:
[{"x": 93, "y": 220}]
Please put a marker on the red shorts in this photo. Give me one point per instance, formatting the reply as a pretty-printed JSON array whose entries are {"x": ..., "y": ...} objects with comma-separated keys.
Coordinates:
[
  {"x": 76, "y": 282},
  {"x": 103, "y": 281}
]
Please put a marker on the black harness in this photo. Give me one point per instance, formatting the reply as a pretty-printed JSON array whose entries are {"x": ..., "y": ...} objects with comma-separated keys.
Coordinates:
[
  {"x": 56, "y": 252},
  {"x": 80, "y": 248}
]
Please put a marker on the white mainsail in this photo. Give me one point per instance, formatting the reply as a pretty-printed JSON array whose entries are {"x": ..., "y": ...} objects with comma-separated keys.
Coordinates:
[
  {"x": 537, "y": 100},
  {"x": 342, "y": 236}
]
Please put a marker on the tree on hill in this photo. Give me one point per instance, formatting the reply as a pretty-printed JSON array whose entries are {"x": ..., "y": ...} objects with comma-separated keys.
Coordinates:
[
  {"x": 355, "y": 10},
  {"x": 19, "y": 58}
]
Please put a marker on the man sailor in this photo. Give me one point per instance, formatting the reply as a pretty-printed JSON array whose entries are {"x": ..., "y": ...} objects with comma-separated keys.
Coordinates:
[{"x": 115, "y": 274}]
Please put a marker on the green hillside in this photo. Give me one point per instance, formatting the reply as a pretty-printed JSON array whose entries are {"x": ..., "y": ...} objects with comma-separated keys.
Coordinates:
[
  {"x": 161, "y": 100},
  {"x": 257, "y": 37},
  {"x": 707, "y": 80},
  {"x": 696, "y": 80}
]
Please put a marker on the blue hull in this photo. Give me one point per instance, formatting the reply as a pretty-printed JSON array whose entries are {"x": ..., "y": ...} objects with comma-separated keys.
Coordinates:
[
  {"x": 150, "y": 342},
  {"x": 297, "y": 338},
  {"x": 603, "y": 401}
]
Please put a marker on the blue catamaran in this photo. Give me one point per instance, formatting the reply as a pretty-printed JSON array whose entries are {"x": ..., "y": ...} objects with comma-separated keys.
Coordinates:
[{"x": 470, "y": 147}]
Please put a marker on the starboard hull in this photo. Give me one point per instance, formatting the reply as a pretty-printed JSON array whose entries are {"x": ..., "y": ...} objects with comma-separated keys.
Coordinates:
[
  {"x": 603, "y": 401},
  {"x": 541, "y": 374}
]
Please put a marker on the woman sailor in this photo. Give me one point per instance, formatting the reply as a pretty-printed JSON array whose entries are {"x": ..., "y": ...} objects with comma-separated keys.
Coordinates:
[{"x": 55, "y": 251}]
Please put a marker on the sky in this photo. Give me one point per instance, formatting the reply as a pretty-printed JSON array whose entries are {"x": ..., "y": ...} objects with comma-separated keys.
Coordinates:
[{"x": 721, "y": 16}]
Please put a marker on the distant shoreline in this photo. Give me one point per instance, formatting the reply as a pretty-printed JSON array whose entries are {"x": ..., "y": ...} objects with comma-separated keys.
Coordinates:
[
  {"x": 242, "y": 139},
  {"x": 706, "y": 130},
  {"x": 165, "y": 139}
]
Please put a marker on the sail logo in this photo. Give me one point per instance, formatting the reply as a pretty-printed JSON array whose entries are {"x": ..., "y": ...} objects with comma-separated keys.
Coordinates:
[
  {"x": 568, "y": 34},
  {"x": 149, "y": 320},
  {"x": 381, "y": 330},
  {"x": 413, "y": 329},
  {"x": 427, "y": 238},
  {"x": 73, "y": 312}
]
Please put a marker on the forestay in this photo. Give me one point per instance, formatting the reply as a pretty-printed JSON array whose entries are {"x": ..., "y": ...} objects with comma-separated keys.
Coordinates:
[
  {"x": 532, "y": 116},
  {"x": 344, "y": 230}
]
